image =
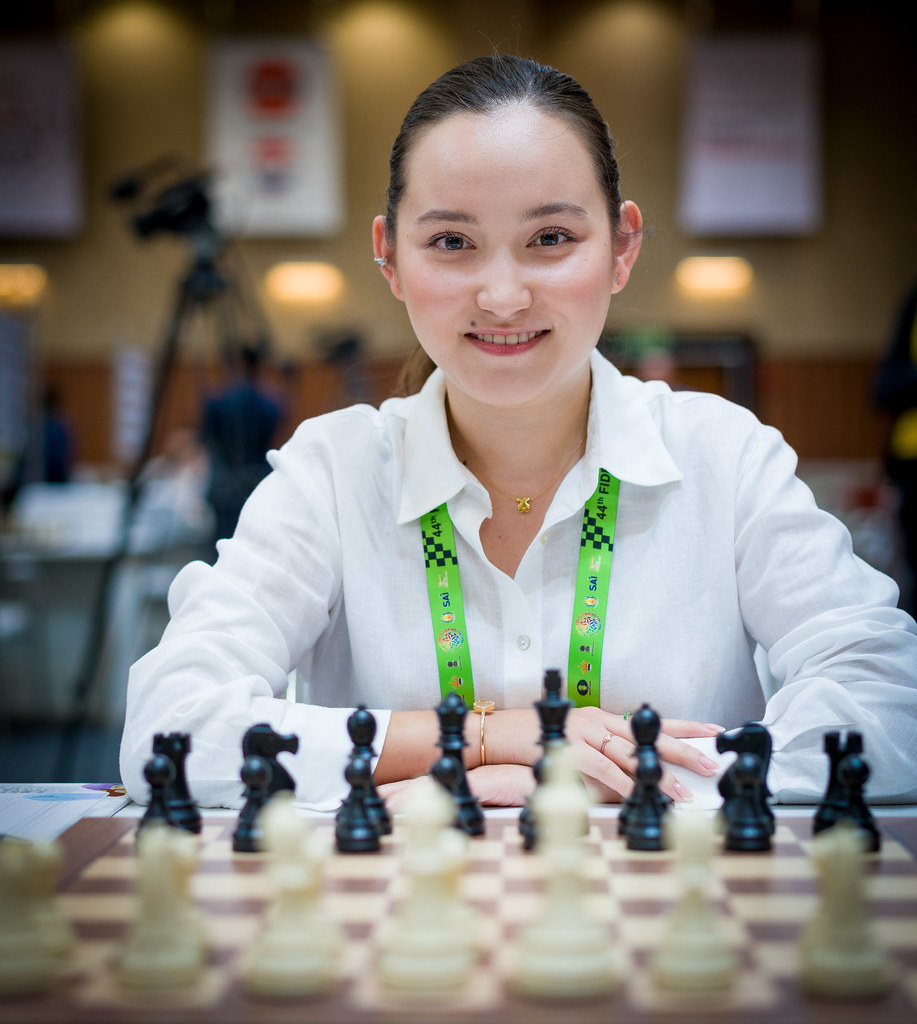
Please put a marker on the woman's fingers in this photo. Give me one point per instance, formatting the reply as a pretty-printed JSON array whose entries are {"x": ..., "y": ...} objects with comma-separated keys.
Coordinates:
[
  {"x": 612, "y": 770},
  {"x": 688, "y": 756},
  {"x": 683, "y": 728}
]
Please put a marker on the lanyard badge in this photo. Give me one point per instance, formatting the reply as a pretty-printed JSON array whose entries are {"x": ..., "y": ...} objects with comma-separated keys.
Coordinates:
[{"x": 590, "y": 603}]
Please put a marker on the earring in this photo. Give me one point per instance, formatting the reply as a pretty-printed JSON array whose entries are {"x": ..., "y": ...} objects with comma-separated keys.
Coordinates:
[
  {"x": 616, "y": 279},
  {"x": 381, "y": 261}
]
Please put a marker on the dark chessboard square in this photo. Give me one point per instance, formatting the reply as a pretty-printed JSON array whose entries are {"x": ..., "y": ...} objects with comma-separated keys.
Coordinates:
[{"x": 522, "y": 885}]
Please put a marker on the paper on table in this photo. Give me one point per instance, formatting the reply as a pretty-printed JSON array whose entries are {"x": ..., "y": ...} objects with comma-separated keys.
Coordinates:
[{"x": 44, "y": 811}]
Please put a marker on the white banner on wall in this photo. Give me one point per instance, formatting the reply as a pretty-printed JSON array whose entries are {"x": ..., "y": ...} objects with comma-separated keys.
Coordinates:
[
  {"x": 274, "y": 138},
  {"x": 751, "y": 146},
  {"x": 41, "y": 179}
]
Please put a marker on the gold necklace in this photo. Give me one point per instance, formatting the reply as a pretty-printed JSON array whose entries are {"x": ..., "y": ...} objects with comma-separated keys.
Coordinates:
[{"x": 524, "y": 503}]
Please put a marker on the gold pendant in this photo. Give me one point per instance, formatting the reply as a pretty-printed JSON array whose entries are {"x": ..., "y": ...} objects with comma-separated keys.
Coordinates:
[{"x": 523, "y": 505}]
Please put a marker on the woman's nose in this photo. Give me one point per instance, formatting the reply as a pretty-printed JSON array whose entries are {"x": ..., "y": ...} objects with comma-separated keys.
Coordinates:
[{"x": 504, "y": 289}]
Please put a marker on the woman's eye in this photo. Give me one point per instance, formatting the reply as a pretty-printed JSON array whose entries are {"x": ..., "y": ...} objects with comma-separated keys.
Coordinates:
[
  {"x": 451, "y": 242},
  {"x": 551, "y": 238}
]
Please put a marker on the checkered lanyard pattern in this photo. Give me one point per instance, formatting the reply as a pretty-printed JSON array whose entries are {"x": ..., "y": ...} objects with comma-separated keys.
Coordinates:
[{"x": 590, "y": 606}]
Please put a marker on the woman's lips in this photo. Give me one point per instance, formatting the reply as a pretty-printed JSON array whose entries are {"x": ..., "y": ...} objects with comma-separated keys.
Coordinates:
[{"x": 507, "y": 339}]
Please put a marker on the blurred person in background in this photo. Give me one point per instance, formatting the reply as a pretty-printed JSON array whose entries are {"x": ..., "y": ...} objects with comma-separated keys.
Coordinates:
[
  {"x": 896, "y": 393},
  {"x": 57, "y": 441},
  {"x": 238, "y": 428}
]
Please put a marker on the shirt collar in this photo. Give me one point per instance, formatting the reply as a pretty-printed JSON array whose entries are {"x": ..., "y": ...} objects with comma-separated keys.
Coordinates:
[{"x": 623, "y": 438}]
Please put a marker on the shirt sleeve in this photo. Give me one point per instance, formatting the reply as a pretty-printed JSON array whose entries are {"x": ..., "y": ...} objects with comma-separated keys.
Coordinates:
[
  {"x": 237, "y": 630},
  {"x": 843, "y": 656}
]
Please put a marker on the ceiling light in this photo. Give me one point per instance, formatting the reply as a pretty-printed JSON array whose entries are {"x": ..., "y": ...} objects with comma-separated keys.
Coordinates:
[
  {"x": 714, "y": 275},
  {"x": 21, "y": 284},
  {"x": 304, "y": 282}
]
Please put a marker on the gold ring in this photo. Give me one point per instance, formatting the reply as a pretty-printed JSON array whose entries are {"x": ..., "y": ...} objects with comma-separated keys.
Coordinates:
[{"x": 605, "y": 739}]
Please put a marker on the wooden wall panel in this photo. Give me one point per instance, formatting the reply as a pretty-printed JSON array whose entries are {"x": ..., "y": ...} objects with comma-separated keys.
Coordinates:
[{"x": 823, "y": 407}]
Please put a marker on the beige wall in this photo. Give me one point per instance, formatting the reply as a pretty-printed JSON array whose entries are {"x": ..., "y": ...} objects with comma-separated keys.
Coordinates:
[{"x": 143, "y": 74}]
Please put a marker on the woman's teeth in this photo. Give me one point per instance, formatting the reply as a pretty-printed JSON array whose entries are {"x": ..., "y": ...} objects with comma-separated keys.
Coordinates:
[{"x": 507, "y": 339}]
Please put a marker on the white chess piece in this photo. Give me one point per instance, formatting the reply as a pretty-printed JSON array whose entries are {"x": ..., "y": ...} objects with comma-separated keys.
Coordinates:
[
  {"x": 695, "y": 953},
  {"x": 26, "y": 961},
  {"x": 565, "y": 952},
  {"x": 298, "y": 950},
  {"x": 432, "y": 943},
  {"x": 165, "y": 946},
  {"x": 840, "y": 956},
  {"x": 56, "y": 932}
]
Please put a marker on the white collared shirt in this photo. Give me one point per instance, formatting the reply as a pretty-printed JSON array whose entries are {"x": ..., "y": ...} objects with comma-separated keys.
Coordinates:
[{"x": 718, "y": 547}]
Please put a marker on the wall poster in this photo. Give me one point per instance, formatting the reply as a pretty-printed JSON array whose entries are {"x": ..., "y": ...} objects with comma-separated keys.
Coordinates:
[
  {"x": 40, "y": 144},
  {"x": 751, "y": 161},
  {"x": 274, "y": 138}
]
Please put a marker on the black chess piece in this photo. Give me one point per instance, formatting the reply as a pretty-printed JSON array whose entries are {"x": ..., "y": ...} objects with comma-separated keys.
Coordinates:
[
  {"x": 552, "y": 713},
  {"x": 183, "y": 811},
  {"x": 159, "y": 772},
  {"x": 256, "y": 776},
  {"x": 354, "y": 830},
  {"x": 747, "y": 829},
  {"x": 261, "y": 740},
  {"x": 834, "y": 804},
  {"x": 752, "y": 738},
  {"x": 853, "y": 773},
  {"x": 361, "y": 727},
  {"x": 647, "y": 805},
  {"x": 451, "y": 713}
]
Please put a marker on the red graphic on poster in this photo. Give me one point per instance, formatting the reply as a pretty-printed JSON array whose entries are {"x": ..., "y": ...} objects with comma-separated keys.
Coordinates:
[{"x": 273, "y": 88}]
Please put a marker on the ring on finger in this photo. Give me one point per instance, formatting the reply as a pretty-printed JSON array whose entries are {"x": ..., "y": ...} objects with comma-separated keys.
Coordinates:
[{"x": 605, "y": 739}]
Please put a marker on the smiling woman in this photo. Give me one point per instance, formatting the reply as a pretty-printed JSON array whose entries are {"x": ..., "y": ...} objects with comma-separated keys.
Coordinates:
[{"x": 522, "y": 507}]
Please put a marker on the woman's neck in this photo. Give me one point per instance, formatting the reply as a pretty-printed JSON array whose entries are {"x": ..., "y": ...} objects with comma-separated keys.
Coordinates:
[{"x": 519, "y": 451}]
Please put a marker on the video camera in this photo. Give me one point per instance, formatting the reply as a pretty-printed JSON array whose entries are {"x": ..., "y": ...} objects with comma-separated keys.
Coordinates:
[{"x": 182, "y": 207}]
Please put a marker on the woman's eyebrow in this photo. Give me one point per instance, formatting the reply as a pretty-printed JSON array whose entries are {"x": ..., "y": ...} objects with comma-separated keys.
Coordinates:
[
  {"x": 456, "y": 216},
  {"x": 568, "y": 209},
  {"x": 549, "y": 209}
]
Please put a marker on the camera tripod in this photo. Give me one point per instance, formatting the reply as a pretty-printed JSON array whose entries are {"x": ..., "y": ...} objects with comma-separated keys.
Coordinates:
[{"x": 204, "y": 289}]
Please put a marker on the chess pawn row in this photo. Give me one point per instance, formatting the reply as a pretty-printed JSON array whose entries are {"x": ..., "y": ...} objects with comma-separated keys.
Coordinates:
[{"x": 34, "y": 934}]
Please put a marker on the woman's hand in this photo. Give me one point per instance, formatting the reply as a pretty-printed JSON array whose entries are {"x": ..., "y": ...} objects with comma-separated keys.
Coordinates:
[
  {"x": 603, "y": 748},
  {"x": 495, "y": 785}
]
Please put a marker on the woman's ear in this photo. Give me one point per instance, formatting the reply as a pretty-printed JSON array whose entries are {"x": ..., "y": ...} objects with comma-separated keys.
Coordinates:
[
  {"x": 384, "y": 255},
  {"x": 630, "y": 235}
]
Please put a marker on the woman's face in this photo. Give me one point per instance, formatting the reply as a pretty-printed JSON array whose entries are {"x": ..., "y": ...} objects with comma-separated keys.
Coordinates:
[{"x": 504, "y": 256}]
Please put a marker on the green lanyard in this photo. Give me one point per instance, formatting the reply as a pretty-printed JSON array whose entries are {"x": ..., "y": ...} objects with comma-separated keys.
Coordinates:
[{"x": 590, "y": 602}]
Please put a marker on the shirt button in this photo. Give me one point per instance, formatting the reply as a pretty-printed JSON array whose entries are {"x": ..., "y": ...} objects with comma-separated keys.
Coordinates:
[{"x": 523, "y": 642}]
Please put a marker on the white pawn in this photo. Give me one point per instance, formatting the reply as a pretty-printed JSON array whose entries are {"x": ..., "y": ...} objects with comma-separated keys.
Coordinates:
[
  {"x": 26, "y": 961},
  {"x": 695, "y": 953},
  {"x": 566, "y": 952},
  {"x": 840, "y": 956},
  {"x": 299, "y": 948},
  {"x": 165, "y": 947},
  {"x": 56, "y": 932},
  {"x": 432, "y": 943}
]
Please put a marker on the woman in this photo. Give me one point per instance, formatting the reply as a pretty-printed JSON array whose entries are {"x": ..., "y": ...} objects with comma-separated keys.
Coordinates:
[{"x": 506, "y": 237}]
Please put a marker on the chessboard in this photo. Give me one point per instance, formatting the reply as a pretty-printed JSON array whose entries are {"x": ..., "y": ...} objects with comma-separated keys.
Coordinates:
[{"x": 764, "y": 898}]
